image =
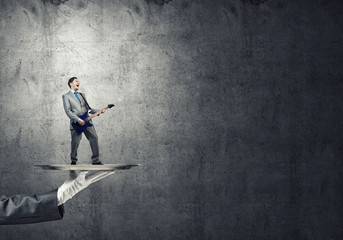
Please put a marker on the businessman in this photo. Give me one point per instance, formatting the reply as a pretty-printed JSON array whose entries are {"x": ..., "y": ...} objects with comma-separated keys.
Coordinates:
[
  {"x": 24, "y": 209},
  {"x": 75, "y": 104}
]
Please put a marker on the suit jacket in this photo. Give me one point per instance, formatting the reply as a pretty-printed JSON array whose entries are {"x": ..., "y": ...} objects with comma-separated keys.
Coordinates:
[
  {"x": 74, "y": 108},
  {"x": 23, "y": 209}
]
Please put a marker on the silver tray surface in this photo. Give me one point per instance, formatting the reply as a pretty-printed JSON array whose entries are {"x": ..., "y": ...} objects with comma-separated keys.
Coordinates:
[{"x": 87, "y": 167}]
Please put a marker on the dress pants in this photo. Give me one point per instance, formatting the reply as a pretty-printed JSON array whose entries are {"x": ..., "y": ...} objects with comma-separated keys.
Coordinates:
[{"x": 93, "y": 141}]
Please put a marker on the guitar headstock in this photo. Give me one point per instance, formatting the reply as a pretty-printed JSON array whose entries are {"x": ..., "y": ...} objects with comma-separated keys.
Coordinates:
[{"x": 110, "y": 105}]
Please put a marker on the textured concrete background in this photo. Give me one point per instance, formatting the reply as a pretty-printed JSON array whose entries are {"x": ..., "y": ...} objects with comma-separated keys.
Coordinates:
[{"x": 233, "y": 108}]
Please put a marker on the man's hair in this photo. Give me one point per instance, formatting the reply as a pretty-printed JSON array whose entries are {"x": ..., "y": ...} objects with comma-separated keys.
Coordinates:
[{"x": 71, "y": 80}]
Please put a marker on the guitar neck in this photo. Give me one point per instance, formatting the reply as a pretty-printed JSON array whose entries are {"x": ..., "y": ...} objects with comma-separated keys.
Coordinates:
[{"x": 95, "y": 114}]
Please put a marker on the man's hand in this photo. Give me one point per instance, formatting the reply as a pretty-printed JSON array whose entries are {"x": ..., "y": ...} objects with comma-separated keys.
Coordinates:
[
  {"x": 81, "y": 122},
  {"x": 103, "y": 110},
  {"x": 78, "y": 182}
]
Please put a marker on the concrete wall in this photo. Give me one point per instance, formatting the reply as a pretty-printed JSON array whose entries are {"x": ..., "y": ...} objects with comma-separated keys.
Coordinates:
[{"x": 233, "y": 109}]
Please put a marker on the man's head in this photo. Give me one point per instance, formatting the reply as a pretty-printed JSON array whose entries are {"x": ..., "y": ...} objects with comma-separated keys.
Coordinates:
[{"x": 74, "y": 83}]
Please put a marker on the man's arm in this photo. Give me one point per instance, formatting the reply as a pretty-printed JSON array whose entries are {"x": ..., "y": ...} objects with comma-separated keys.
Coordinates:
[
  {"x": 67, "y": 109},
  {"x": 92, "y": 110},
  {"x": 22, "y": 209}
]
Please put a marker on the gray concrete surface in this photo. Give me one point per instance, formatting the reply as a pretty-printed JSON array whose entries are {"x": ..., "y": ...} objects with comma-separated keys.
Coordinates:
[{"x": 233, "y": 109}]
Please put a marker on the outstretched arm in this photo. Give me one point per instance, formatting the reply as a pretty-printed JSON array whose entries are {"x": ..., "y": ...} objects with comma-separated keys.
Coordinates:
[{"x": 23, "y": 209}]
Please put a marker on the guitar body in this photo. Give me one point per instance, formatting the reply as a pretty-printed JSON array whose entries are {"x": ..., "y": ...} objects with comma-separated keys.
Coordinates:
[{"x": 78, "y": 127}]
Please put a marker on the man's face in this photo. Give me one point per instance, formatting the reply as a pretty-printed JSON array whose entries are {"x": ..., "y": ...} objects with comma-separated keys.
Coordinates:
[{"x": 74, "y": 85}]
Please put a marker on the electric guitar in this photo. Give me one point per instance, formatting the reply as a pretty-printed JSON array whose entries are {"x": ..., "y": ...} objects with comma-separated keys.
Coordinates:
[{"x": 85, "y": 117}]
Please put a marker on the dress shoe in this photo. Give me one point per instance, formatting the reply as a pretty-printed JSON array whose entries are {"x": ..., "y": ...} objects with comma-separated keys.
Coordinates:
[{"x": 97, "y": 163}]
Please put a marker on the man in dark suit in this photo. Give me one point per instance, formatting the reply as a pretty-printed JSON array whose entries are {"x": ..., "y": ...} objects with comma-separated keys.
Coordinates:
[
  {"x": 75, "y": 104},
  {"x": 24, "y": 209}
]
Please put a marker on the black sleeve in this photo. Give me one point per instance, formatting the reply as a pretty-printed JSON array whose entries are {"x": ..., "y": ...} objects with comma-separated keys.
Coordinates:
[{"x": 23, "y": 209}]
